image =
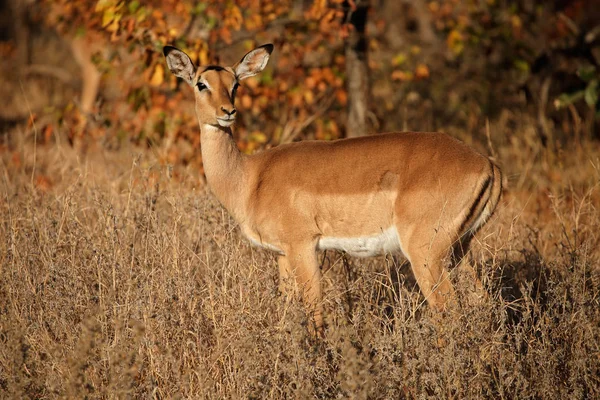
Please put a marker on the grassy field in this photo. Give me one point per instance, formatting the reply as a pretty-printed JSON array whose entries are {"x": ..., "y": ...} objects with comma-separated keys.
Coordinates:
[{"x": 120, "y": 277}]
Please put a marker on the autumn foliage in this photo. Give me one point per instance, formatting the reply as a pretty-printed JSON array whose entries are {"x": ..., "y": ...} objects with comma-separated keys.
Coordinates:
[
  {"x": 305, "y": 80},
  {"x": 456, "y": 64},
  {"x": 433, "y": 65}
]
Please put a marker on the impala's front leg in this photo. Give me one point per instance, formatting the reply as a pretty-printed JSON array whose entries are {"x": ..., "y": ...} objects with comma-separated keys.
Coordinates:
[{"x": 300, "y": 263}]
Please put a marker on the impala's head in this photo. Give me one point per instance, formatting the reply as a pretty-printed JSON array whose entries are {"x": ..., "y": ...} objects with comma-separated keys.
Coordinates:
[{"x": 215, "y": 86}]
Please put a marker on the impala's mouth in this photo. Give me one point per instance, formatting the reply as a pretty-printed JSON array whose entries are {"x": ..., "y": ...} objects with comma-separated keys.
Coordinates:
[{"x": 225, "y": 122}]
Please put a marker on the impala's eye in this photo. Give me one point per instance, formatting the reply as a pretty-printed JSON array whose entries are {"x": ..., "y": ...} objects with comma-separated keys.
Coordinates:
[
  {"x": 235, "y": 88},
  {"x": 201, "y": 86}
]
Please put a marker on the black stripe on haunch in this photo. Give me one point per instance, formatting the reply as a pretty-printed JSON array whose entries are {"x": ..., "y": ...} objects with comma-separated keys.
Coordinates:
[{"x": 477, "y": 201}]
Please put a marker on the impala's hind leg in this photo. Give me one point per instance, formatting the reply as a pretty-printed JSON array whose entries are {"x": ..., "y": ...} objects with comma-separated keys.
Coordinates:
[
  {"x": 427, "y": 254},
  {"x": 462, "y": 259},
  {"x": 461, "y": 256},
  {"x": 300, "y": 263}
]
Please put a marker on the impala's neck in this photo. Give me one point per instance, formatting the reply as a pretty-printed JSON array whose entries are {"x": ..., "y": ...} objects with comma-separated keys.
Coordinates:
[{"x": 223, "y": 166}]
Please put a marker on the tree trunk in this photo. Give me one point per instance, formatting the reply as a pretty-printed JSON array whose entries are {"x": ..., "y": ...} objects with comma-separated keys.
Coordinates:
[
  {"x": 423, "y": 17},
  {"x": 357, "y": 71}
]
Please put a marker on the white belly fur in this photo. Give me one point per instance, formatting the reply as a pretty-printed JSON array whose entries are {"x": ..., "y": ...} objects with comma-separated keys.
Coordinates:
[
  {"x": 387, "y": 241},
  {"x": 264, "y": 245}
]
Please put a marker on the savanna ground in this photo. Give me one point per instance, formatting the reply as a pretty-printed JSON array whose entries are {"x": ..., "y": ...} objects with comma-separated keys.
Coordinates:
[{"x": 118, "y": 280}]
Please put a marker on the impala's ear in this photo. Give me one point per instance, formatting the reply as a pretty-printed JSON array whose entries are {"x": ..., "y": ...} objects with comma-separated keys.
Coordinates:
[
  {"x": 180, "y": 64},
  {"x": 253, "y": 62}
]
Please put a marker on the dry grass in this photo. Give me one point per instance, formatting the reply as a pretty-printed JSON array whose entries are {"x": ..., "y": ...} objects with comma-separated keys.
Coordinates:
[{"x": 118, "y": 281}]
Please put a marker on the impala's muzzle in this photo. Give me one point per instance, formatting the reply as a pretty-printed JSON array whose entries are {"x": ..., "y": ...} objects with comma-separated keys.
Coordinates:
[
  {"x": 228, "y": 118},
  {"x": 226, "y": 122}
]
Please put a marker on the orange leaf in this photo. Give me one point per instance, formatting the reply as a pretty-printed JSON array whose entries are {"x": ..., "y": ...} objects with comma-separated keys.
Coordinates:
[
  {"x": 48, "y": 132},
  {"x": 422, "y": 71},
  {"x": 341, "y": 96},
  {"x": 158, "y": 76},
  {"x": 16, "y": 159},
  {"x": 246, "y": 101},
  {"x": 43, "y": 183},
  {"x": 402, "y": 76}
]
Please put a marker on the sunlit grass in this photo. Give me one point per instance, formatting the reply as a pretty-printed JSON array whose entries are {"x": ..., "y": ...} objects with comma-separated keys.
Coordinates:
[{"x": 119, "y": 280}]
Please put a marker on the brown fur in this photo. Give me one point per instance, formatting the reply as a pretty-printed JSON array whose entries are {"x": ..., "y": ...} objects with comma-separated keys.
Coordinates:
[{"x": 433, "y": 189}]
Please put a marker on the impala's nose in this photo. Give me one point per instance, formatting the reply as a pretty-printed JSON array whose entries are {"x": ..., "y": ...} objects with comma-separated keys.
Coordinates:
[{"x": 228, "y": 112}]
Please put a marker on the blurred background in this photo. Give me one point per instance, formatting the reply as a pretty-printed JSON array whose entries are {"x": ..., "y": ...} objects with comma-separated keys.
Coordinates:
[{"x": 491, "y": 72}]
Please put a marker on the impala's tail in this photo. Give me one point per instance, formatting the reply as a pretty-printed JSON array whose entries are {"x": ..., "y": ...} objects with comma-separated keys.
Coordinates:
[
  {"x": 491, "y": 199},
  {"x": 490, "y": 191},
  {"x": 496, "y": 192}
]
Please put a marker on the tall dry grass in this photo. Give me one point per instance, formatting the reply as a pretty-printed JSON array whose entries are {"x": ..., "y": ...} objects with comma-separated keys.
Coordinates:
[{"x": 118, "y": 280}]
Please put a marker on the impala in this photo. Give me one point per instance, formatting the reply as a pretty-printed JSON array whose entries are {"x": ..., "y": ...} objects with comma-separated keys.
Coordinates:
[{"x": 420, "y": 194}]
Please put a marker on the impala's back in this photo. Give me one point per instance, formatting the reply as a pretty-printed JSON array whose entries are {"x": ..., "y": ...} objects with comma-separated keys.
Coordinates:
[{"x": 361, "y": 188}]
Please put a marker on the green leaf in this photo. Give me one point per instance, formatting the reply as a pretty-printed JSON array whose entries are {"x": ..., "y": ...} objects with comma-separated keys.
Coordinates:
[
  {"x": 591, "y": 93},
  {"x": 266, "y": 77},
  {"x": 142, "y": 13},
  {"x": 521, "y": 65},
  {"x": 199, "y": 8},
  {"x": 566, "y": 99},
  {"x": 133, "y": 6},
  {"x": 399, "y": 59},
  {"x": 586, "y": 72},
  {"x": 80, "y": 32},
  {"x": 211, "y": 22}
]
